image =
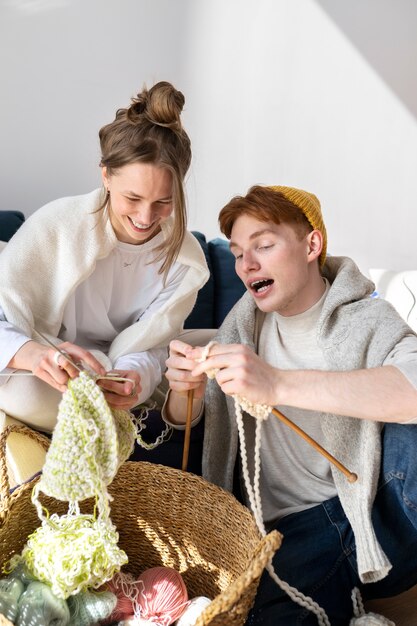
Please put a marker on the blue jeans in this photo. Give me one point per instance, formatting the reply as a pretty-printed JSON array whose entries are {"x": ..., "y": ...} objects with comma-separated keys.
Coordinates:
[
  {"x": 170, "y": 451},
  {"x": 318, "y": 554}
]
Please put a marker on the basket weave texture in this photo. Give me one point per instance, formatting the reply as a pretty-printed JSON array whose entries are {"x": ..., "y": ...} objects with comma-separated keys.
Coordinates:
[{"x": 164, "y": 517}]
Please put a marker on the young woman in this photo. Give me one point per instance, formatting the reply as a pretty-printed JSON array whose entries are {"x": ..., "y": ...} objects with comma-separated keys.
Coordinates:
[{"x": 109, "y": 277}]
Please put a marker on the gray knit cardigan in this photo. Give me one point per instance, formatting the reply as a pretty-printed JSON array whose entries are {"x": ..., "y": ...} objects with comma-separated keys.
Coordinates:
[{"x": 354, "y": 332}]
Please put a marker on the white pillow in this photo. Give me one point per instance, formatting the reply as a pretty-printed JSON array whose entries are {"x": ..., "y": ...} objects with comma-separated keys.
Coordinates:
[{"x": 399, "y": 288}]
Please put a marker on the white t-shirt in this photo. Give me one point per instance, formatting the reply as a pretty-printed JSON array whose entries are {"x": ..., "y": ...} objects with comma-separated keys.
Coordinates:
[
  {"x": 123, "y": 288},
  {"x": 294, "y": 476}
]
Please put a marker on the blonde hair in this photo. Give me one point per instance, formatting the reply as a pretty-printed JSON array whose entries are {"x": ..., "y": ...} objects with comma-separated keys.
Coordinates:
[{"x": 150, "y": 131}]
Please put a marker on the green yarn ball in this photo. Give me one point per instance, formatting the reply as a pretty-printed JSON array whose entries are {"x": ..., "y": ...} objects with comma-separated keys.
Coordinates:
[
  {"x": 38, "y": 606},
  {"x": 10, "y": 591},
  {"x": 90, "y": 608}
]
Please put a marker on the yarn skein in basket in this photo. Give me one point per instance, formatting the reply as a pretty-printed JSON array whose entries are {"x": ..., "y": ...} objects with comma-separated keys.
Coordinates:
[{"x": 164, "y": 517}]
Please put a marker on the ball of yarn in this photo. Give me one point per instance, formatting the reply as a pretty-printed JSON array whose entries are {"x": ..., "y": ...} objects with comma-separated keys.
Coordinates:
[
  {"x": 193, "y": 611},
  {"x": 163, "y": 596},
  {"x": 141, "y": 621},
  {"x": 124, "y": 588},
  {"x": 38, "y": 606},
  {"x": 20, "y": 571},
  {"x": 88, "y": 607},
  {"x": 10, "y": 591}
]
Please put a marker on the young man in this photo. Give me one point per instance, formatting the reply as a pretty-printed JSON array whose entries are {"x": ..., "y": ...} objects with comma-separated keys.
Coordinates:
[{"x": 308, "y": 339}]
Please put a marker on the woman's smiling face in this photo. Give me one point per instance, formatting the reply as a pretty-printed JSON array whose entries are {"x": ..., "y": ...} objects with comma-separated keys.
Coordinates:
[{"x": 140, "y": 200}]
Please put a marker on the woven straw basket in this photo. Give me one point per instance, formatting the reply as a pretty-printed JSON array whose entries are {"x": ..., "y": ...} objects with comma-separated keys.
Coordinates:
[{"x": 164, "y": 517}]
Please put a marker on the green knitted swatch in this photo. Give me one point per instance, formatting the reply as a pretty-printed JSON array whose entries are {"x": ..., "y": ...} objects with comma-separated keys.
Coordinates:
[{"x": 76, "y": 551}]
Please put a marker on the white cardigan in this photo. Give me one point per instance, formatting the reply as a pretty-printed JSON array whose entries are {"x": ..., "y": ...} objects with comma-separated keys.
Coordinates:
[{"x": 57, "y": 248}]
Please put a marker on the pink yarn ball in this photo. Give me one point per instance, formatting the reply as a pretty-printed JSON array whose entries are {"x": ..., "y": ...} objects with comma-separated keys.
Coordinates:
[
  {"x": 163, "y": 596},
  {"x": 120, "y": 584}
]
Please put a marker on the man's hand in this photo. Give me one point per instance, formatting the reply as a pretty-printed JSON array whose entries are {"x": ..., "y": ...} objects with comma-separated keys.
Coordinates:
[
  {"x": 179, "y": 368},
  {"x": 238, "y": 370},
  {"x": 181, "y": 380}
]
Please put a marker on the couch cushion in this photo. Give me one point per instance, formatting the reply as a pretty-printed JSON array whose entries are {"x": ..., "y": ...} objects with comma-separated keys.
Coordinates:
[
  {"x": 202, "y": 314},
  {"x": 9, "y": 223},
  {"x": 228, "y": 287},
  {"x": 24, "y": 456}
]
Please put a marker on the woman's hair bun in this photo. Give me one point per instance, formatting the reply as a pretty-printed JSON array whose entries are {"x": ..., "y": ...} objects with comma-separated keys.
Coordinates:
[{"x": 161, "y": 105}]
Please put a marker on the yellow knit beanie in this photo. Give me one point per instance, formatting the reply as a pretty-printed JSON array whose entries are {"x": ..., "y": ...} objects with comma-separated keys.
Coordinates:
[{"x": 310, "y": 206}]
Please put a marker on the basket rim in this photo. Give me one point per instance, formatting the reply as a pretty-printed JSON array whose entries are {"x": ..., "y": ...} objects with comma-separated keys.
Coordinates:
[{"x": 153, "y": 468}]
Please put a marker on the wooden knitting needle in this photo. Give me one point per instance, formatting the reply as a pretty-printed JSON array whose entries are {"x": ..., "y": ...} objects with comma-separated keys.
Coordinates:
[
  {"x": 350, "y": 475},
  {"x": 187, "y": 434}
]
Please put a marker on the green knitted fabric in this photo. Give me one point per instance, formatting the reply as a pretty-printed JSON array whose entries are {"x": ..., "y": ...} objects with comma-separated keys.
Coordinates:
[
  {"x": 89, "y": 443},
  {"x": 76, "y": 551}
]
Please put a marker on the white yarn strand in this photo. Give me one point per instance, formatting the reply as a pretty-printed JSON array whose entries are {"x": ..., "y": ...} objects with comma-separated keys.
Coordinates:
[
  {"x": 261, "y": 412},
  {"x": 139, "y": 421},
  {"x": 256, "y": 506},
  {"x": 366, "y": 619}
]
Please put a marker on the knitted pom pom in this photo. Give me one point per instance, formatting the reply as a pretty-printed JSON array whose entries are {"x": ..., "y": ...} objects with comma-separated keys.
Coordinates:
[
  {"x": 39, "y": 607},
  {"x": 87, "y": 607},
  {"x": 163, "y": 595},
  {"x": 10, "y": 591},
  {"x": 73, "y": 552}
]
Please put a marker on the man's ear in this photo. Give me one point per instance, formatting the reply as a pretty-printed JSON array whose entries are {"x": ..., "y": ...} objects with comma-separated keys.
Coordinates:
[{"x": 315, "y": 244}]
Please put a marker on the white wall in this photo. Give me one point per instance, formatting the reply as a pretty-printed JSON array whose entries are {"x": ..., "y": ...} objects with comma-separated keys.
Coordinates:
[
  {"x": 66, "y": 66},
  {"x": 281, "y": 95},
  {"x": 307, "y": 93}
]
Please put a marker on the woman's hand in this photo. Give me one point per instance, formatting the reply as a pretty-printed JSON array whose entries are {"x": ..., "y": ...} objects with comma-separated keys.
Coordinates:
[
  {"x": 121, "y": 394},
  {"x": 50, "y": 366}
]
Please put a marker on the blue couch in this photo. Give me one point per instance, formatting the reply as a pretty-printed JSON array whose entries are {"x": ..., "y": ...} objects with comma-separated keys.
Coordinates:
[
  {"x": 221, "y": 291},
  {"x": 10, "y": 221}
]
